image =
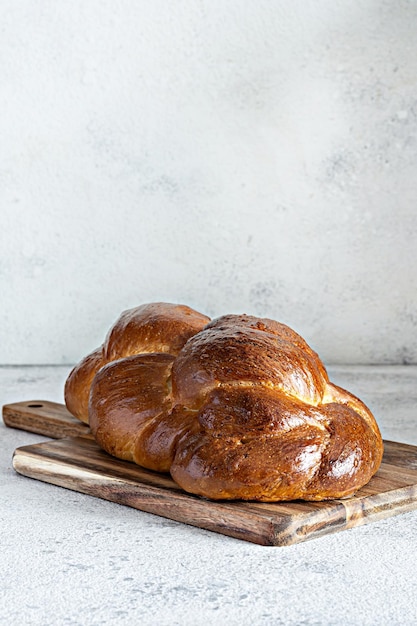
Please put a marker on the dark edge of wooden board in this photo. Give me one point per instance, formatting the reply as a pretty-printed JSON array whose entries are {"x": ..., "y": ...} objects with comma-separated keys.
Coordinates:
[{"x": 270, "y": 525}]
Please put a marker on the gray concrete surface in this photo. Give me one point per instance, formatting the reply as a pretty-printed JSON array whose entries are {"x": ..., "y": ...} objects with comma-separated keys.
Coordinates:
[{"x": 72, "y": 560}]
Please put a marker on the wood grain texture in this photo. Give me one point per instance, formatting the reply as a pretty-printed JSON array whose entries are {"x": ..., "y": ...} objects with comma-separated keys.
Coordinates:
[
  {"x": 78, "y": 463},
  {"x": 44, "y": 418}
]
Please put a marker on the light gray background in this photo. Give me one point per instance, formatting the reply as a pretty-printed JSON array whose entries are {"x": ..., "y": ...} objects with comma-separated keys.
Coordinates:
[{"x": 236, "y": 156}]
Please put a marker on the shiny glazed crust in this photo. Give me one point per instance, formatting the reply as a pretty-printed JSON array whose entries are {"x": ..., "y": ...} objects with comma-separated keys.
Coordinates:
[
  {"x": 243, "y": 410},
  {"x": 155, "y": 327}
]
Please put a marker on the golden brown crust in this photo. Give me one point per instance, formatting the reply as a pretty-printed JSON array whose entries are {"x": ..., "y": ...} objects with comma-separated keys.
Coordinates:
[
  {"x": 244, "y": 411},
  {"x": 154, "y": 327},
  {"x": 118, "y": 413},
  {"x": 78, "y": 383},
  {"x": 247, "y": 350},
  {"x": 274, "y": 447}
]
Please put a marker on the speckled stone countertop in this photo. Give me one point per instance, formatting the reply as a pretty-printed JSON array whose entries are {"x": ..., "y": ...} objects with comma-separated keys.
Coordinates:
[{"x": 71, "y": 559}]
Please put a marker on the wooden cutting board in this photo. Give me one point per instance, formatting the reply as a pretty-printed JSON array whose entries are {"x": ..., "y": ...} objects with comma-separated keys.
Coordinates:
[{"x": 76, "y": 462}]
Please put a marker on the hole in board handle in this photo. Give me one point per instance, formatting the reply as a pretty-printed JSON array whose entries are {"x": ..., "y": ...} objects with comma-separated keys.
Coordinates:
[{"x": 35, "y": 406}]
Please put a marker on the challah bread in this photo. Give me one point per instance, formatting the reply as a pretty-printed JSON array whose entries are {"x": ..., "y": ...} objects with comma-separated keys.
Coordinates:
[
  {"x": 155, "y": 327},
  {"x": 244, "y": 410}
]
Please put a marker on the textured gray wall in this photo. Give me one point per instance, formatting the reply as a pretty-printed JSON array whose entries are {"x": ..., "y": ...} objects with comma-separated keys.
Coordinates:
[{"x": 237, "y": 156}]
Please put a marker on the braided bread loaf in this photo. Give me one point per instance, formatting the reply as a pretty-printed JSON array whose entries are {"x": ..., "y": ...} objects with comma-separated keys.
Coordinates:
[{"x": 243, "y": 410}]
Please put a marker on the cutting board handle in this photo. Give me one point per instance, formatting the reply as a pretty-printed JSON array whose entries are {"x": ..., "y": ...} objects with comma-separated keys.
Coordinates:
[{"x": 44, "y": 418}]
